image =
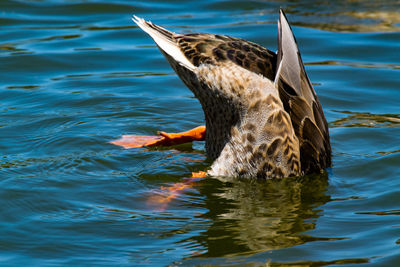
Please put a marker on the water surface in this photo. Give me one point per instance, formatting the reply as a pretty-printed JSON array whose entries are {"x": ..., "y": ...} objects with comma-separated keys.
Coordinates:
[{"x": 77, "y": 74}]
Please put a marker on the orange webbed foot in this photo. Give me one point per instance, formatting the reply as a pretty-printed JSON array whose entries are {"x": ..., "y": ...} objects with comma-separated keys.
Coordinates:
[
  {"x": 163, "y": 138},
  {"x": 199, "y": 174},
  {"x": 159, "y": 200},
  {"x": 133, "y": 141}
]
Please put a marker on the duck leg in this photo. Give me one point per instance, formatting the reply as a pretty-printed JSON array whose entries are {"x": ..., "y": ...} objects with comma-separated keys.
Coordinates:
[
  {"x": 162, "y": 139},
  {"x": 159, "y": 199}
]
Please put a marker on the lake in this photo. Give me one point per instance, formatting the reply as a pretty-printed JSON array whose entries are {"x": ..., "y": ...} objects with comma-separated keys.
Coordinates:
[{"x": 77, "y": 74}]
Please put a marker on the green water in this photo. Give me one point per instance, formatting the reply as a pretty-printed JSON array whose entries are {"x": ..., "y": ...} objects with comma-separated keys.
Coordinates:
[{"x": 76, "y": 74}]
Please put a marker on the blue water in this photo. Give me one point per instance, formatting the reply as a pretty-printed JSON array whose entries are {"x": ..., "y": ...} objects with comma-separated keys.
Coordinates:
[{"x": 77, "y": 74}]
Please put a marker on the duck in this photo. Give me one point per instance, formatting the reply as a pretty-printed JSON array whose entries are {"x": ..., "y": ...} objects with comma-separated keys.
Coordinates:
[{"x": 263, "y": 118}]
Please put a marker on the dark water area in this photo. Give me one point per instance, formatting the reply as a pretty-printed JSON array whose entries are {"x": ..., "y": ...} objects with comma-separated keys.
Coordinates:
[{"x": 77, "y": 74}]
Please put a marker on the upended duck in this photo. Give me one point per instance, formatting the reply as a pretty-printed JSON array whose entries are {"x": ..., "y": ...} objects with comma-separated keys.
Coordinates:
[{"x": 263, "y": 117}]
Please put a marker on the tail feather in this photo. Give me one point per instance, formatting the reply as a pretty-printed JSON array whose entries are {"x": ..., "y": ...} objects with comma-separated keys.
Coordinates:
[
  {"x": 165, "y": 41},
  {"x": 145, "y": 25}
]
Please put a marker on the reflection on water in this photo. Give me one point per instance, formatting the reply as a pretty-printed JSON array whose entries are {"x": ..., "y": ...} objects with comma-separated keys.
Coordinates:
[
  {"x": 366, "y": 119},
  {"x": 384, "y": 21},
  {"x": 347, "y": 15},
  {"x": 374, "y": 65},
  {"x": 108, "y": 75},
  {"x": 317, "y": 263},
  {"x": 249, "y": 217},
  {"x": 12, "y": 48}
]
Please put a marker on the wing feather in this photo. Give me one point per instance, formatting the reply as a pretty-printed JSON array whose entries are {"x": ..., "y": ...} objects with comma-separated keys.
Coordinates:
[{"x": 301, "y": 102}]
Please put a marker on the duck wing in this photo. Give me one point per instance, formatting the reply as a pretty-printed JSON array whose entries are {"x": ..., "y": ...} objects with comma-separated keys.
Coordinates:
[{"x": 301, "y": 102}]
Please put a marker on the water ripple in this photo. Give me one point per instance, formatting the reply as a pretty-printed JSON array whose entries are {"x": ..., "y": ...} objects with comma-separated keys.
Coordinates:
[
  {"x": 365, "y": 119},
  {"x": 371, "y": 65},
  {"x": 77, "y": 74}
]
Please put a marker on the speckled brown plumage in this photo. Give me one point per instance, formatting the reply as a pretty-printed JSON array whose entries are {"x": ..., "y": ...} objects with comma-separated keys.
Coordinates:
[
  {"x": 215, "y": 48},
  {"x": 262, "y": 115}
]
